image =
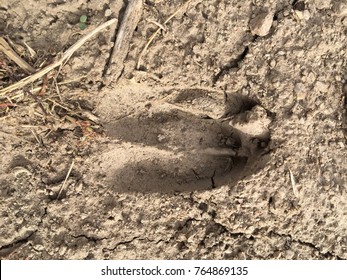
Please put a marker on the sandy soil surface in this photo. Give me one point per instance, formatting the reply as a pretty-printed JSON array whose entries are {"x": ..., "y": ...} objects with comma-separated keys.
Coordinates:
[{"x": 225, "y": 139}]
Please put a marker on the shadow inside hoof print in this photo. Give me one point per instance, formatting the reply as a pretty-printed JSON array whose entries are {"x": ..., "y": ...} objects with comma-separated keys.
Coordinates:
[{"x": 179, "y": 139}]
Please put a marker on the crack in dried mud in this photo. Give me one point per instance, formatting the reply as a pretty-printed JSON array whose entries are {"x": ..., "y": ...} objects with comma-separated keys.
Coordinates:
[
  {"x": 89, "y": 238},
  {"x": 176, "y": 171},
  {"x": 125, "y": 242},
  {"x": 305, "y": 243},
  {"x": 261, "y": 233},
  {"x": 233, "y": 64},
  {"x": 7, "y": 249}
]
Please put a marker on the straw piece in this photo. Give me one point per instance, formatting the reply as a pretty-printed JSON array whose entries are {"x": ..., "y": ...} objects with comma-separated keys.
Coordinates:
[
  {"x": 11, "y": 54},
  {"x": 65, "y": 57},
  {"x": 67, "y": 176}
]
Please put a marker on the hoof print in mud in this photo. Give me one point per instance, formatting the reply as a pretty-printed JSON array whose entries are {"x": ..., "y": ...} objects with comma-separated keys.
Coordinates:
[{"x": 169, "y": 146}]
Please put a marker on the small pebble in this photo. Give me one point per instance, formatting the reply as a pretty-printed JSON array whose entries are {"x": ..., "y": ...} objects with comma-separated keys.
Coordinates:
[
  {"x": 322, "y": 87},
  {"x": 340, "y": 9},
  {"x": 262, "y": 23},
  {"x": 300, "y": 91},
  {"x": 108, "y": 12},
  {"x": 311, "y": 77},
  {"x": 342, "y": 145},
  {"x": 39, "y": 248},
  {"x": 62, "y": 250},
  {"x": 323, "y": 4},
  {"x": 161, "y": 137},
  {"x": 301, "y": 12}
]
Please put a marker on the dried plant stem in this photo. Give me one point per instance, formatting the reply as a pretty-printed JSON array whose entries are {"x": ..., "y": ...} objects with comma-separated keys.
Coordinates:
[
  {"x": 67, "y": 176},
  {"x": 64, "y": 58},
  {"x": 11, "y": 54},
  {"x": 120, "y": 50}
]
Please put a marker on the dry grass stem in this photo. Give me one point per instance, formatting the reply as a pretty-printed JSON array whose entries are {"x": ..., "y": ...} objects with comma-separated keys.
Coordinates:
[
  {"x": 72, "y": 81},
  {"x": 67, "y": 176},
  {"x": 30, "y": 50},
  {"x": 64, "y": 58},
  {"x": 12, "y": 55},
  {"x": 157, "y": 24},
  {"x": 293, "y": 182},
  {"x": 36, "y": 137}
]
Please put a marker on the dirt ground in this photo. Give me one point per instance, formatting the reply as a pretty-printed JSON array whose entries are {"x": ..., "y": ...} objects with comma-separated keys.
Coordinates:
[{"x": 225, "y": 139}]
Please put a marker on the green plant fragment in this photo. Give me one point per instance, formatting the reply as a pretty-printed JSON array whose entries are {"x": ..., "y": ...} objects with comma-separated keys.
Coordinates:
[
  {"x": 82, "y": 25},
  {"x": 83, "y": 19}
]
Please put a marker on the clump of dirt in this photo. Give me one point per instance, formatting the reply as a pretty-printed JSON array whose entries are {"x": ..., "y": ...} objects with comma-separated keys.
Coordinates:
[{"x": 224, "y": 139}]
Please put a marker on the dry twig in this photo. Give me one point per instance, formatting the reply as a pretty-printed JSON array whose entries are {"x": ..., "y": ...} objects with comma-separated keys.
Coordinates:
[{"x": 130, "y": 20}]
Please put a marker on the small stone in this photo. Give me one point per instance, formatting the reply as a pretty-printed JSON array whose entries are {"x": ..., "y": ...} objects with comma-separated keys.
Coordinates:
[
  {"x": 289, "y": 254},
  {"x": 262, "y": 23},
  {"x": 276, "y": 84},
  {"x": 62, "y": 250},
  {"x": 19, "y": 220},
  {"x": 161, "y": 137},
  {"x": 300, "y": 11},
  {"x": 79, "y": 188},
  {"x": 300, "y": 91},
  {"x": 108, "y": 12},
  {"x": 300, "y": 53},
  {"x": 303, "y": 15},
  {"x": 39, "y": 248},
  {"x": 311, "y": 77},
  {"x": 340, "y": 9},
  {"x": 322, "y": 87},
  {"x": 342, "y": 145},
  {"x": 323, "y": 4}
]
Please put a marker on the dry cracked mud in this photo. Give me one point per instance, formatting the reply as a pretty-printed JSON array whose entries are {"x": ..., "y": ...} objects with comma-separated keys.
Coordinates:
[{"x": 226, "y": 139}]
